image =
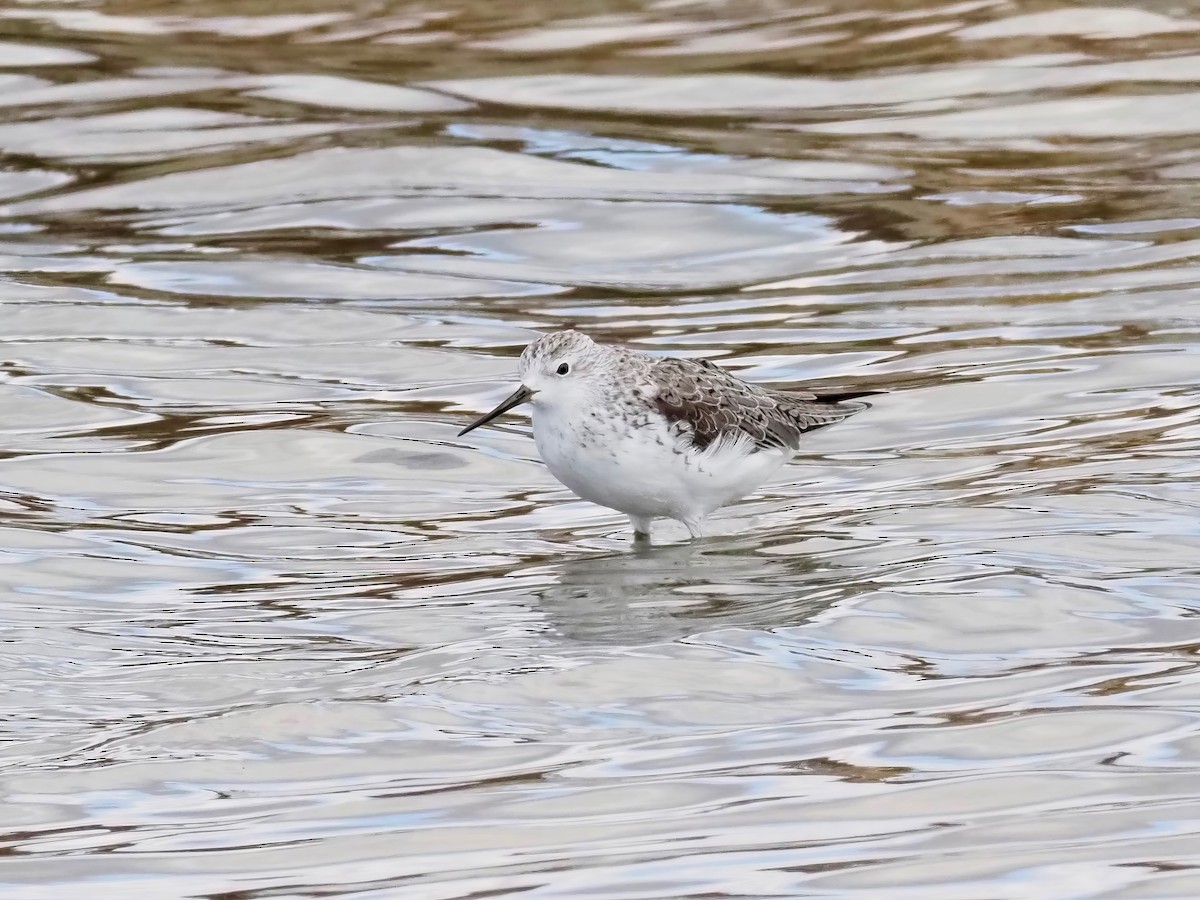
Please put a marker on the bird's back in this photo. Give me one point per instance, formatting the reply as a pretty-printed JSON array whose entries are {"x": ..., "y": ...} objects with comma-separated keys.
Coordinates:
[{"x": 710, "y": 404}]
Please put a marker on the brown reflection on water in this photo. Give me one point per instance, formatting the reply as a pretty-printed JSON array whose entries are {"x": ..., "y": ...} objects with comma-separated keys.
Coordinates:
[{"x": 272, "y": 629}]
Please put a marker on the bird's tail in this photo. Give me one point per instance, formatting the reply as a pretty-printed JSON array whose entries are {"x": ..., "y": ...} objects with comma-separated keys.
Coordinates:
[{"x": 848, "y": 395}]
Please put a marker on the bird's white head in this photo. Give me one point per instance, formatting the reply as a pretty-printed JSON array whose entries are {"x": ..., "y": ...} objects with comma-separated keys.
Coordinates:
[{"x": 563, "y": 370}]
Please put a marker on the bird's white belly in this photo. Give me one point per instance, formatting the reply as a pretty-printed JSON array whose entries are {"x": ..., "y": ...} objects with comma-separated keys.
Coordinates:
[{"x": 643, "y": 472}]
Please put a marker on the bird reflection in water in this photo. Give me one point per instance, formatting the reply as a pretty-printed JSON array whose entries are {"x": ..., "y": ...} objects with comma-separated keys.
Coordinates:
[{"x": 655, "y": 594}]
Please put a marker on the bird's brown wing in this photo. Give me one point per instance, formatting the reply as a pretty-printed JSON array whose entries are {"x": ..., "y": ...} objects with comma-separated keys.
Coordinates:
[{"x": 708, "y": 404}]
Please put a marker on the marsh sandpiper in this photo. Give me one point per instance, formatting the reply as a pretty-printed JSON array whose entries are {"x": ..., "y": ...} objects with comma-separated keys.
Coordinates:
[{"x": 657, "y": 437}]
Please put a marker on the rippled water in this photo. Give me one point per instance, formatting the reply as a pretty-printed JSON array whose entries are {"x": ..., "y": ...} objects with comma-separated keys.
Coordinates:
[{"x": 272, "y": 630}]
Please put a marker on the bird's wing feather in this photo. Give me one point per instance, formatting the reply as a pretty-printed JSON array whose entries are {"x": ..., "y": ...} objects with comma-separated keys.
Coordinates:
[{"x": 709, "y": 404}]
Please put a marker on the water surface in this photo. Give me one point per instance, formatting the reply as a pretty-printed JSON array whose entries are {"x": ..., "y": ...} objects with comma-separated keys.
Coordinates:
[{"x": 273, "y": 630}]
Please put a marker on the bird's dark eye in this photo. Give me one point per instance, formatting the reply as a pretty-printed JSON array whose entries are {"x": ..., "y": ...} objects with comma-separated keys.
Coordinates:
[{"x": 563, "y": 368}]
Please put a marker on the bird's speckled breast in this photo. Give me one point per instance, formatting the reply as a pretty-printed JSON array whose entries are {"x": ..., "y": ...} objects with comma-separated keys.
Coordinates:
[{"x": 624, "y": 455}]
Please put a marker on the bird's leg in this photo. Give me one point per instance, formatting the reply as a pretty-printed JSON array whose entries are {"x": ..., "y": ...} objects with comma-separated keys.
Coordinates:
[
  {"x": 641, "y": 528},
  {"x": 695, "y": 527}
]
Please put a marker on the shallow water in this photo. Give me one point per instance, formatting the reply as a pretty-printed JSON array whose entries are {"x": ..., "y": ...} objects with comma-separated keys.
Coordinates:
[{"x": 273, "y": 630}]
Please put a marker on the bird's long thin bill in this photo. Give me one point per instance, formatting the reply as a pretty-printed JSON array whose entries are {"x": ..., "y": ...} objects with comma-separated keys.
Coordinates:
[{"x": 519, "y": 396}]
